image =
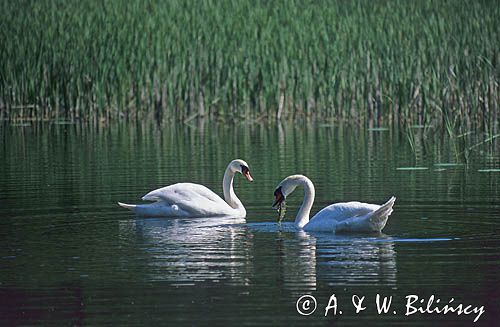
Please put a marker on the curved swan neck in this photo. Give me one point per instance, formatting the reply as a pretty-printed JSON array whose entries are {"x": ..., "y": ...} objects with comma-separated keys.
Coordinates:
[
  {"x": 229, "y": 195},
  {"x": 305, "y": 209}
]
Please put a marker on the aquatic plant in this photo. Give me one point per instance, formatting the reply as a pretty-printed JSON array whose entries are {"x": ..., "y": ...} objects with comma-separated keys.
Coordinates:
[{"x": 424, "y": 62}]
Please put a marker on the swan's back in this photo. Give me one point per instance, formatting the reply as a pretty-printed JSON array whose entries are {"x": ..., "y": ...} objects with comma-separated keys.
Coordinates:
[
  {"x": 181, "y": 191},
  {"x": 344, "y": 210},
  {"x": 373, "y": 221},
  {"x": 197, "y": 199},
  {"x": 329, "y": 217}
]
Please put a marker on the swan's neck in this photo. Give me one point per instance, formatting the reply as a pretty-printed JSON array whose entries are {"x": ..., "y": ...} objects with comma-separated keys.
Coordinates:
[
  {"x": 229, "y": 195},
  {"x": 305, "y": 209}
]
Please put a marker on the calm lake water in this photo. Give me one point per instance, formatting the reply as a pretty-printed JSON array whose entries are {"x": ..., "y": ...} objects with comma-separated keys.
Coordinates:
[{"x": 70, "y": 256}]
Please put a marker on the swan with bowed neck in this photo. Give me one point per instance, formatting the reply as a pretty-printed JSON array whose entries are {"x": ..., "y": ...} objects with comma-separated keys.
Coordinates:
[
  {"x": 338, "y": 217},
  {"x": 195, "y": 200}
]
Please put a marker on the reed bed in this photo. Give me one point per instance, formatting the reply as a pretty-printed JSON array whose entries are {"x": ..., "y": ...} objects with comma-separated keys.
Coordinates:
[{"x": 418, "y": 62}]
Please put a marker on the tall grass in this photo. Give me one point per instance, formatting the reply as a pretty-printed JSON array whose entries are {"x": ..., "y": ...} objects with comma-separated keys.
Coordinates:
[{"x": 424, "y": 62}]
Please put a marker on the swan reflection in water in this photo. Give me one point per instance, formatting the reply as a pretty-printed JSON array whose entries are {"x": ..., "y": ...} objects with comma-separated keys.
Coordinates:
[
  {"x": 356, "y": 260},
  {"x": 341, "y": 260},
  {"x": 308, "y": 259},
  {"x": 229, "y": 251},
  {"x": 184, "y": 251}
]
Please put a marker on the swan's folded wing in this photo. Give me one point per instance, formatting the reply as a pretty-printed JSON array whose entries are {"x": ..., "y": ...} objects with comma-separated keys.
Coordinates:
[
  {"x": 373, "y": 221},
  {"x": 345, "y": 210},
  {"x": 194, "y": 198}
]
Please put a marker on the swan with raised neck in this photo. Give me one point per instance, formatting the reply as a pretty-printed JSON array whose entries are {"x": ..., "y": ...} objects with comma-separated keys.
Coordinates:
[
  {"x": 235, "y": 166},
  {"x": 195, "y": 200}
]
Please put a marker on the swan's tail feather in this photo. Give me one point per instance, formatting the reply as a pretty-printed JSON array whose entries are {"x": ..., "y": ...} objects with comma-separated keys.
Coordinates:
[
  {"x": 127, "y": 206},
  {"x": 380, "y": 216}
]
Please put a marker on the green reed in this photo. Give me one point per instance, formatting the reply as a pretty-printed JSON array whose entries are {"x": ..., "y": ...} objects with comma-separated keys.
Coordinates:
[{"x": 424, "y": 62}]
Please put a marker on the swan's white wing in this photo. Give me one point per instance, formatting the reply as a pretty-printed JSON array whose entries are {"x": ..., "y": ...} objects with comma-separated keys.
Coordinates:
[
  {"x": 327, "y": 218},
  {"x": 345, "y": 210},
  {"x": 373, "y": 221},
  {"x": 182, "y": 191},
  {"x": 196, "y": 199}
]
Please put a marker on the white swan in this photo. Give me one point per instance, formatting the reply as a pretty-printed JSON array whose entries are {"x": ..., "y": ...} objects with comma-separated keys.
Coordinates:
[
  {"x": 195, "y": 200},
  {"x": 338, "y": 217}
]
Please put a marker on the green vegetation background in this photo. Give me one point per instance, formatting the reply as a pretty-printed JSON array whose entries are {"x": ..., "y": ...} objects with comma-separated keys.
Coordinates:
[{"x": 416, "y": 61}]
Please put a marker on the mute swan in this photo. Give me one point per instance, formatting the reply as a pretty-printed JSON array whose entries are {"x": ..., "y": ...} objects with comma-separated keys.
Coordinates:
[
  {"x": 338, "y": 217},
  {"x": 195, "y": 200}
]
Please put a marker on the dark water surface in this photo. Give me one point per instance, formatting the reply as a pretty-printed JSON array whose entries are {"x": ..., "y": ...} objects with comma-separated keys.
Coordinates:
[{"x": 70, "y": 256}]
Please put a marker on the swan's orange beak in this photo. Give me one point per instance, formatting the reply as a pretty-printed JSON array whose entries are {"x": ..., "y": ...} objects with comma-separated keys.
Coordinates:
[
  {"x": 246, "y": 172},
  {"x": 248, "y": 176}
]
